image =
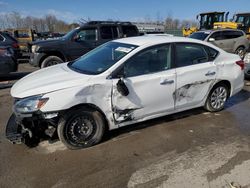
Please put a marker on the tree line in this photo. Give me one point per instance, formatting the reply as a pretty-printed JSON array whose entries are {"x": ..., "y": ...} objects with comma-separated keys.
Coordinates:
[
  {"x": 47, "y": 23},
  {"x": 52, "y": 24},
  {"x": 172, "y": 23}
]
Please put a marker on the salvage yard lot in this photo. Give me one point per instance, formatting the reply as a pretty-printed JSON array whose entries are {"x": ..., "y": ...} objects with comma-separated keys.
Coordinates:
[{"x": 189, "y": 149}]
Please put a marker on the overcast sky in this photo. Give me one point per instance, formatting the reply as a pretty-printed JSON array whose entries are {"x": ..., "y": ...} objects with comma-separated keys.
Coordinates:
[{"x": 125, "y": 10}]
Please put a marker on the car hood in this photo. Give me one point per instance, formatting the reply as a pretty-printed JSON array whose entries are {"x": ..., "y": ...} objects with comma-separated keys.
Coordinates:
[
  {"x": 47, "y": 42},
  {"x": 47, "y": 80}
]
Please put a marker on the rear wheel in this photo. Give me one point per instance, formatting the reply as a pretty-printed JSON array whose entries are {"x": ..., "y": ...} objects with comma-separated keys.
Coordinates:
[
  {"x": 241, "y": 51},
  {"x": 217, "y": 98},
  {"x": 81, "y": 128},
  {"x": 247, "y": 73},
  {"x": 50, "y": 61}
]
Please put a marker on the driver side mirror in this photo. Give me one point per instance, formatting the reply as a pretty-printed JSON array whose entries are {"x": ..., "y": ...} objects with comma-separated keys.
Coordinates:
[
  {"x": 211, "y": 39},
  {"x": 78, "y": 38},
  {"x": 122, "y": 88},
  {"x": 75, "y": 38}
]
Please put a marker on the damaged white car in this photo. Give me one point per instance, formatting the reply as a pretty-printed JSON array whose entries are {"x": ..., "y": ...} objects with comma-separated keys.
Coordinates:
[{"x": 120, "y": 83}]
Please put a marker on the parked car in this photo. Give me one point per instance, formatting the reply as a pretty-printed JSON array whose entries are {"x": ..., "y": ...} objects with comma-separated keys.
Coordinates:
[
  {"x": 247, "y": 66},
  {"x": 78, "y": 42},
  {"x": 24, "y": 36},
  {"x": 122, "y": 82},
  {"x": 230, "y": 40},
  {"x": 9, "y": 41},
  {"x": 8, "y": 62}
]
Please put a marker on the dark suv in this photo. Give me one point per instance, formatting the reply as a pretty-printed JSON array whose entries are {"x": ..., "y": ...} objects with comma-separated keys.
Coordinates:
[
  {"x": 10, "y": 42},
  {"x": 78, "y": 42}
]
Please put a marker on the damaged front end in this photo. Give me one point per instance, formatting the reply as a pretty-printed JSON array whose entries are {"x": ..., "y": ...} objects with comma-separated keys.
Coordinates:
[{"x": 28, "y": 124}]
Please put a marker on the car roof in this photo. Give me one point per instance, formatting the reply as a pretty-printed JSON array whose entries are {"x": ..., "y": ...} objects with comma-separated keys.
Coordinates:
[
  {"x": 107, "y": 23},
  {"x": 154, "y": 40},
  {"x": 211, "y": 13},
  {"x": 211, "y": 31},
  {"x": 243, "y": 13}
]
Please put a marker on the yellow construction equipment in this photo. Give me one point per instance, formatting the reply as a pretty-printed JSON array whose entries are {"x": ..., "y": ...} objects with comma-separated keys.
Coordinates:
[
  {"x": 206, "y": 21},
  {"x": 23, "y": 36},
  {"x": 240, "y": 21}
]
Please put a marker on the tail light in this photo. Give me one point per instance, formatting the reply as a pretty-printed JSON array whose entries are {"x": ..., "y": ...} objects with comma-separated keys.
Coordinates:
[
  {"x": 15, "y": 45},
  {"x": 241, "y": 63}
]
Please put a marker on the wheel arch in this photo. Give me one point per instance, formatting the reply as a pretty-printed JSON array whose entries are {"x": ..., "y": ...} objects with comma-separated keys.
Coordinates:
[
  {"x": 238, "y": 46},
  {"x": 93, "y": 108},
  {"x": 52, "y": 53},
  {"x": 226, "y": 82}
]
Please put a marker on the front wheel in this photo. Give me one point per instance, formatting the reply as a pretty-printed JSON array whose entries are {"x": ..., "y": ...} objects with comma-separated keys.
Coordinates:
[
  {"x": 81, "y": 128},
  {"x": 247, "y": 73},
  {"x": 50, "y": 61},
  {"x": 217, "y": 98}
]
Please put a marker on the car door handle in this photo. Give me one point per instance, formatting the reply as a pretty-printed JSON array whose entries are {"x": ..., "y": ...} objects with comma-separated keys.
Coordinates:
[
  {"x": 210, "y": 73},
  {"x": 165, "y": 82}
]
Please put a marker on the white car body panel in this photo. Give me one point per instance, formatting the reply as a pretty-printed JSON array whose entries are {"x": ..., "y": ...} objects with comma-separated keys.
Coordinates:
[
  {"x": 46, "y": 80},
  {"x": 66, "y": 88},
  {"x": 193, "y": 84},
  {"x": 140, "y": 102}
]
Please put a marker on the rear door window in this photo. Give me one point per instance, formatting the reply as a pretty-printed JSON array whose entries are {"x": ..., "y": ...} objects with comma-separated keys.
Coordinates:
[
  {"x": 129, "y": 31},
  {"x": 115, "y": 32},
  {"x": 109, "y": 32},
  {"x": 190, "y": 54},
  {"x": 106, "y": 32},
  {"x": 152, "y": 60}
]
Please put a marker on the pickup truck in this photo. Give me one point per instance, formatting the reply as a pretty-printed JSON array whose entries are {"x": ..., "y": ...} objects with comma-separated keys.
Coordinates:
[{"x": 78, "y": 42}]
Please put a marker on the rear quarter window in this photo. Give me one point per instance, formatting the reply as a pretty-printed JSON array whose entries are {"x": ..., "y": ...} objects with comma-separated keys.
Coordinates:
[{"x": 212, "y": 53}]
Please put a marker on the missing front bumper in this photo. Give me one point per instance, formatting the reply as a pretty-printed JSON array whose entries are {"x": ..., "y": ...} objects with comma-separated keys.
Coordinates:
[
  {"x": 13, "y": 131},
  {"x": 30, "y": 129}
]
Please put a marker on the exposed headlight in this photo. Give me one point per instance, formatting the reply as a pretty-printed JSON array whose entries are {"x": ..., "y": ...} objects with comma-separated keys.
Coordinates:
[
  {"x": 34, "y": 48},
  {"x": 30, "y": 104}
]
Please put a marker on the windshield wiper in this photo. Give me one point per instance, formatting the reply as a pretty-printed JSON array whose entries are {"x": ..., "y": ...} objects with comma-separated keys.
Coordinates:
[{"x": 80, "y": 70}]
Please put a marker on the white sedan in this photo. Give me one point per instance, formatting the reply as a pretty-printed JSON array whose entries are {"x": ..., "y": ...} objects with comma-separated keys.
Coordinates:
[{"x": 122, "y": 82}]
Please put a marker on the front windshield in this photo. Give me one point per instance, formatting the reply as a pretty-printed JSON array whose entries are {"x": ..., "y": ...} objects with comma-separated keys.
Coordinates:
[
  {"x": 199, "y": 35},
  {"x": 101, "y": 58},
  {"x": 69, "y": 34}
]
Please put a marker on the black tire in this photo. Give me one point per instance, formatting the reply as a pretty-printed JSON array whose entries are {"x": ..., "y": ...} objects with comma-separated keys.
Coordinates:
[
  {"x": 247, "y": 74},
  {"x": 217, "y": 98},
  {"x": 81, "y": 128},
  {"x": 50, "y": 61},
  {"x": 241, "y": 51}
]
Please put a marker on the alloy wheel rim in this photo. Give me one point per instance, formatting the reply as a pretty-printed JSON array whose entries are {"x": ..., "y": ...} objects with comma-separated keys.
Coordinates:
[
  {"x": 241, "y": 53},
  {"x": 248, "y": 72},
  {"x": 218, "y": 97}
]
